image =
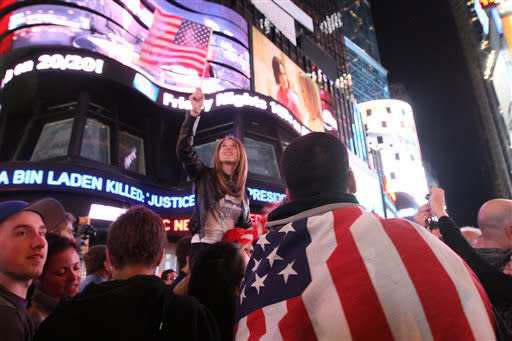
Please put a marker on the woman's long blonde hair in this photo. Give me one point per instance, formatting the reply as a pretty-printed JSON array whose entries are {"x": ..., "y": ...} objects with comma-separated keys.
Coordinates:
[{"x": 239, "y": 175}]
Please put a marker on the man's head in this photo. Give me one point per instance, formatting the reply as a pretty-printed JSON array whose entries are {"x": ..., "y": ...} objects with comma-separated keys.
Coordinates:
[
  {"x": 315, "y": 164},
  {"x": 168, "y": 276},
  {"x": 495, "y": 222},
  {"x": 96, "y": 261},
  {"x": 22, "y": 237},
  {"x": 136, "y": 238},
  {"x": 182, "y": 252},
  {"x": 65, "y": 228}
]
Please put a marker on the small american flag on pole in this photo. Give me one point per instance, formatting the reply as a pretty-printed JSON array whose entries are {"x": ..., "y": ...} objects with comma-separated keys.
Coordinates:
[
  {"x": 173, "y": 40},
  {"x": 346, "y": 274}
]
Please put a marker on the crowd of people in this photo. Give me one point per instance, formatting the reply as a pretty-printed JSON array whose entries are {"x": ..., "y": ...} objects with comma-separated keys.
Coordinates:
[{"x": 326, "y": 269}]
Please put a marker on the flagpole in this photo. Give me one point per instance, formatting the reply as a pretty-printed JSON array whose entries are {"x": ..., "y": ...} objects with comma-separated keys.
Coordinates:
[{"x": 206, "y": 61}]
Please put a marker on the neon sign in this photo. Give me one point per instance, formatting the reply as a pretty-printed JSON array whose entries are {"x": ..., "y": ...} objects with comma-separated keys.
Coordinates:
[
  {"x": 489, "y": 3},
  {"x": 55, "y": 62},
  {"x": 176, "y": 225},
  {"x": 61, "y": 179}
]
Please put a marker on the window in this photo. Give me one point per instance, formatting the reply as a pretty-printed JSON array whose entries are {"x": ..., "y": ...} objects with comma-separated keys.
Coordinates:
[
  {"x": 412, "y": 158},
  {"x": 380, "y": 139},
  {"x": 96, "y": 141},
  {"x": 397, "y": 156},
  {"x": 384, "y": 124},
  {"x": 262, "y": 158},
  {"x": 368, "y": 112},
  {"x": 131, "y": 153},
  {"x": 53, "y": 141},
  {"x": 392, "y": 175},
  {"x": 206, "y": 152},
  {"x": 388, "y": 110}
]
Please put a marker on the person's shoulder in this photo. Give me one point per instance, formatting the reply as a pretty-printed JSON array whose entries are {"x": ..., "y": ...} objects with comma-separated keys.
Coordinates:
[
  {"x": 10, "y": 324},
  {"x": 185, "y": 302},
  {"x": 7, "y": 298}
]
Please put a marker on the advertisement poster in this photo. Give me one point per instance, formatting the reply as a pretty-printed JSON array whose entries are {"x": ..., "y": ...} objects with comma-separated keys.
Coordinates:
[{"x": 275, "y": 75}]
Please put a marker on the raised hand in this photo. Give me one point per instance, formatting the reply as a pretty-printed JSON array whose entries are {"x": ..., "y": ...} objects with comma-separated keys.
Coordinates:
[
  {"x": 437, "y": 202},
  {"x": 197, "y": 100}
]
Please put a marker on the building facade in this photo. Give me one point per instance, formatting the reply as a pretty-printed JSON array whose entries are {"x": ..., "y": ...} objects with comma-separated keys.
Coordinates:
[
  {"x": 391, "y": 130},
  {"x": 483, "y": 33},
  {"x": 369, "y": 77},
  {"x": 84, "y": 121}
]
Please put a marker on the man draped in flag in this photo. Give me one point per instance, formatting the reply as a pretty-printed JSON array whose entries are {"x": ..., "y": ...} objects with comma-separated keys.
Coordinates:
[
  {"x": 329, "y": 270},
  {"x": 173, "y": 40}
]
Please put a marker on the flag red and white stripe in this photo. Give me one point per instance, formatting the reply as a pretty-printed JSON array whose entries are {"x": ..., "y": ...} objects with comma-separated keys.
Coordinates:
[
  {"x": 349, "y": 275},
  {"x": 173, "y": 40}
]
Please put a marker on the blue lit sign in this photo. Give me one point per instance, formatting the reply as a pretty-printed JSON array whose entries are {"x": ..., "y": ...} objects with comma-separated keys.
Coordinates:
[
  {"x": 78, "y": 180},
  {"x": 145, "y": 86},
  {"x": 265, "y": 196}
]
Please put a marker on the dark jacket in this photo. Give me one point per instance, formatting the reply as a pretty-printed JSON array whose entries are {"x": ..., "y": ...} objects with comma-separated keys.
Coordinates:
[
  {"x": 203, "y": 178},
  {"x": 15, "y": 324},
  {"x": 497, "y": 284},
  {"x": 140, "y": 308}
]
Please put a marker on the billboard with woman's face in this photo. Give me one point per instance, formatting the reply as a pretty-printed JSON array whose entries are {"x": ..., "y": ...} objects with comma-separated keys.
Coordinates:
[{"x": 277, "y": 76}]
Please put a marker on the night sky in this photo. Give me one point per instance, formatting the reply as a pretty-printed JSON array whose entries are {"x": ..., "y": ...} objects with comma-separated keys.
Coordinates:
[{"x": 419, "y": 46}]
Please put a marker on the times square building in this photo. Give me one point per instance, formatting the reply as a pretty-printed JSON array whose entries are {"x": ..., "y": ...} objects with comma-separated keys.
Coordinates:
[{"x": 84, "y": 121}]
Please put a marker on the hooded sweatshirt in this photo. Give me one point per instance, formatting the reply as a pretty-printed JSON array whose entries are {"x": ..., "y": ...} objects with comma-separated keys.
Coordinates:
[{"x": 139, "y": 308}]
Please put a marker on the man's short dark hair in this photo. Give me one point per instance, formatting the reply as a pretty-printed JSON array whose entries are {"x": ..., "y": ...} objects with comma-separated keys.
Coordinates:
[
  {"x": 95, "y": 258},
  {"x": 136, "y": 237},
  {"x": 58, "y": 244},
  {"x": 183, "y": 250},
  {"x": 166, "y": 273},
  {"x": 315, "y": 164}
]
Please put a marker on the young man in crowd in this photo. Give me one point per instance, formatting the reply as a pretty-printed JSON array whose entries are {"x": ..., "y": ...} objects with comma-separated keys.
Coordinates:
[
  {"x": 182, "y": 254},
  {"x": 136, "y": 304},
  {"x": 98, "y": 269},
  {"x": 329, "y": 270},
  {"x": 168, "y": 276},
  {"x": 23, "y": 250}
]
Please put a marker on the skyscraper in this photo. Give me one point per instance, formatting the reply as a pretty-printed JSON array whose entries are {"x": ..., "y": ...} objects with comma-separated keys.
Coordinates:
[
  {"x": 482, "y": 35},
  {"x": 369, "y": 77}
]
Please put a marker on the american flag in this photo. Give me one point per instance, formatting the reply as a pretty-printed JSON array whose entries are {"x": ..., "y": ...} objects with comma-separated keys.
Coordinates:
[
  {"x": 346, "y": 274},
  {"x": 173, "y": 40}
]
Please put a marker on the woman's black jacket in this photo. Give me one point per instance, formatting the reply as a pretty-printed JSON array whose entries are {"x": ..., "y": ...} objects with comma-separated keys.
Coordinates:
[{"x": 203, "y": 178}]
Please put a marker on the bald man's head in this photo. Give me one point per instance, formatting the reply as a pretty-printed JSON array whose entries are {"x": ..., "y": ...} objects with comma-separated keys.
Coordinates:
[{"x": 495, "y": 221}]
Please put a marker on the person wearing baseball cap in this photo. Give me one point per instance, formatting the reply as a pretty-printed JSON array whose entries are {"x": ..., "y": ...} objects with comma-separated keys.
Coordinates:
[{"x": 23, "y": 249}]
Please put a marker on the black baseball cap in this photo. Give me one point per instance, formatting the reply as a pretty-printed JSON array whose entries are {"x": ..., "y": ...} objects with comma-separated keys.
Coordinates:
[{"x": 50, "y": 210}]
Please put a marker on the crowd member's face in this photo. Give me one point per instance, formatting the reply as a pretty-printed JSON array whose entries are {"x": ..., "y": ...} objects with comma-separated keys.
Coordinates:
[
  {"x": 62, "y": 274},
  {"x": 229, "y": 152},
  {"x": 171, "y": 276},
  {"x": 68, "y": 231},
  {"x": 23, "y": 246}
]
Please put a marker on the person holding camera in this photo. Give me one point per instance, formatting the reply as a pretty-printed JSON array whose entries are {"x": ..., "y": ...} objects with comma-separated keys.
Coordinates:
[{"x": 220, "y": 193}]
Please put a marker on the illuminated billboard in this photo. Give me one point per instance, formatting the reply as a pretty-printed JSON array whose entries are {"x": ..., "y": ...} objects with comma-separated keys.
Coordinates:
[
  {"x": 117, "y": 29},
  {"x": 275, "y": 75}
]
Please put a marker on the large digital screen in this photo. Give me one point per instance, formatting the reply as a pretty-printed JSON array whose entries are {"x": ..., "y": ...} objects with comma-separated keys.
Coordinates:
[
  {"x": 277, "y": 76},
  {"x": 117, "y": 29}
]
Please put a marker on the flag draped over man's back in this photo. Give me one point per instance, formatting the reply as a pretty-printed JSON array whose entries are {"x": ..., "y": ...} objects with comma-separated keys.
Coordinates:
[
  {"x": 173, "y": 40},
  {"x": 345, "y": 274}
]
